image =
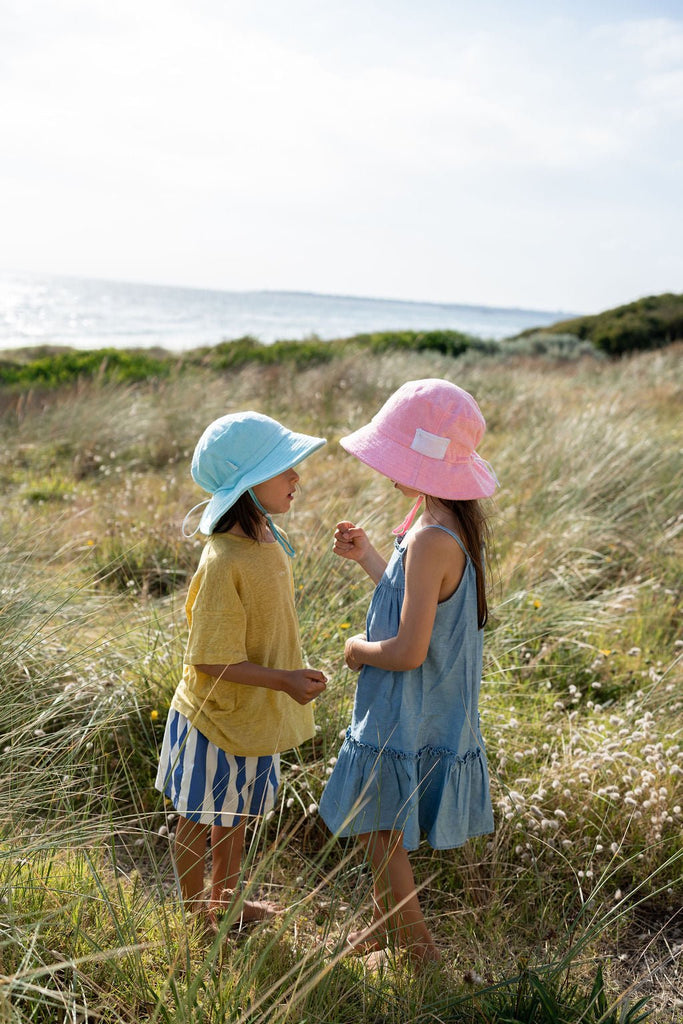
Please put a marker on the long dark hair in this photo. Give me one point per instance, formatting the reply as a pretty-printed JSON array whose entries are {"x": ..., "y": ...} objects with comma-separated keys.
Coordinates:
[
  {"x": 244, "y": 514},
  {"x": 474, "y": 532}
]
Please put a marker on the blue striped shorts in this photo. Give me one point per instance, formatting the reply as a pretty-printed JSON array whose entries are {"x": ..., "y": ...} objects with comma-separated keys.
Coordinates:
[{"x": 209, "y": 786}]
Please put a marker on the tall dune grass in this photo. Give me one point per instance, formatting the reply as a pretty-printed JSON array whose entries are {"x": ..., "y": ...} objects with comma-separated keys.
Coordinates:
[{"x": 570, "y": 911}]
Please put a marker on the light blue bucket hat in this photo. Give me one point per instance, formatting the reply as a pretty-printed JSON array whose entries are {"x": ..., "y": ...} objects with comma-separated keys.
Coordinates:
[{"x": 235, "y": 453}]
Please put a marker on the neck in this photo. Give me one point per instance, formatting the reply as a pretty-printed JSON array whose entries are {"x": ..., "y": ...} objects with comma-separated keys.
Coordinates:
[
  {"x": 436, "y": 514},
  {"x": 264, "y": 534}
]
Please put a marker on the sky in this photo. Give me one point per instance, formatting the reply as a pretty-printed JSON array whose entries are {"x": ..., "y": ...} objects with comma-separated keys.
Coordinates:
[{"x": 496, "y": 152}]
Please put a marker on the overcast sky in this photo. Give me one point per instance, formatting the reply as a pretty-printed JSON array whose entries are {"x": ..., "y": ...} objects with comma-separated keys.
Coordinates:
[{"x": 500, "y": 152}]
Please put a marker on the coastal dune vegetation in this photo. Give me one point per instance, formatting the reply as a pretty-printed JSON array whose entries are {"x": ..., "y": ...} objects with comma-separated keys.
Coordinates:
[
  {"x": 650, "y": 323},
  {"x": 570, "y": 911}
]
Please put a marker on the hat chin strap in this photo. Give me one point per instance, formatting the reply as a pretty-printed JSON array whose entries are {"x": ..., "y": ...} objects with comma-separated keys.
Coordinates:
[
  {"x": 183, "y": 528},
  {"x": 284, "y": 544},
  {"x": 398, "y": 531}
]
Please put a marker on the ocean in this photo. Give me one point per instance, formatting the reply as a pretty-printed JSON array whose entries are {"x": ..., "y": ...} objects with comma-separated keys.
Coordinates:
[{"x": 86, "y": 313}]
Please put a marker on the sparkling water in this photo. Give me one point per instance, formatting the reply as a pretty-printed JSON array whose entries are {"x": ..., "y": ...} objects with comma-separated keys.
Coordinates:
[{"x": 84, "y": 313}]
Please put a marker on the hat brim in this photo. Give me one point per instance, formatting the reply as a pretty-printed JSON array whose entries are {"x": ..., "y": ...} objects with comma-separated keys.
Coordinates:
[
  {"x": 288, "y": 452},
  {"x": 457, "y": 479}
]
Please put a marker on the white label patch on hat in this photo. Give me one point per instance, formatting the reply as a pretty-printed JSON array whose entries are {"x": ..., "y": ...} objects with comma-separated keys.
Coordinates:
[{"x": 430, "y": 444}]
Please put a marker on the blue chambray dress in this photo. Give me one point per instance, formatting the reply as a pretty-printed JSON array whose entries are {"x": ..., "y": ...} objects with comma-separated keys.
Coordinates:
[{"x": 413, "y": 758}]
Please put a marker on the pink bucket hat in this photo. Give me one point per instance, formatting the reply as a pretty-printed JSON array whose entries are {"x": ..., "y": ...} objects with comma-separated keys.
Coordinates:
[{"x": 424, "y": 437}]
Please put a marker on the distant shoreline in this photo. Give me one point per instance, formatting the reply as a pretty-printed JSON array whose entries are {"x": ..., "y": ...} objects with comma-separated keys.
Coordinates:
[
  {"x": 481, "y": 307},
  {"x": 82, "y": 313},
  {"x": 650, "y": 323}
]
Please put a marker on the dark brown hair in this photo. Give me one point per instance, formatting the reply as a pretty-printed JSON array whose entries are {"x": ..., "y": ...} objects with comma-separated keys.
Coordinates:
[
  {"x": 474, "y": 532},
  {"x": 244, "y": 514}
]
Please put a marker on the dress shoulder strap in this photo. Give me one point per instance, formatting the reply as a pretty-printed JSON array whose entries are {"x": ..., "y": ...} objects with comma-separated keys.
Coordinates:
[{"x": 438, "y": 526}]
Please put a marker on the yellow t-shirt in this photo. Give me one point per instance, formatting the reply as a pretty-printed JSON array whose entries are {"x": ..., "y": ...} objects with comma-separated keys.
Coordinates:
[{"x": 240, "y": 607}]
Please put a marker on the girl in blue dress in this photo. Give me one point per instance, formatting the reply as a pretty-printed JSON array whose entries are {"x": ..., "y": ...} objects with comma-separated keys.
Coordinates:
[{"x": 413, "y": 761}]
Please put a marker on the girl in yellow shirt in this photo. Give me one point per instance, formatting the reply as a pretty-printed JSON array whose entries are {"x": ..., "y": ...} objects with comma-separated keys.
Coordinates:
[{"x": 245, "y": 694}]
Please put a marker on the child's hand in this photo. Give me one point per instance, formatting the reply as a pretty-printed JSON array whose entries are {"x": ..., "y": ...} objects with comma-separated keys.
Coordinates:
[
  {"x": 350, "y": 541},
  {"x": 351, "y": 655},
  {"x": 304, "y": 685}
]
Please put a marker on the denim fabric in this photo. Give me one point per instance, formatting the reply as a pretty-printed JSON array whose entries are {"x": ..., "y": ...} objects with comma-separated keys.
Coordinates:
[{"x": 413, "y": 758}]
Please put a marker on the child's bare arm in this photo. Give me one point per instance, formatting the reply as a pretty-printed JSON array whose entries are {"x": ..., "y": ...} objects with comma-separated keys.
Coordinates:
[
  {"x": 302, "y": 685},
  {"x": 431, "y": 558},
  {"x": 352, "y": 542}
]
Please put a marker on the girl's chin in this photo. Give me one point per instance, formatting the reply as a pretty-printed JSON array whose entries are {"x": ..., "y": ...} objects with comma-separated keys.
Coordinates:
[{"x": 407, "y": 492}]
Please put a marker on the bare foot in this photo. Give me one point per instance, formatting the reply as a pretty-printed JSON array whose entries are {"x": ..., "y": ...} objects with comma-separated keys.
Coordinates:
[
  {"x": 420, "y": 958},
  {"x": 258, "y": 910},
  {"x": 377, "y": 960},
  {"x": 368, "y": 940},
  {"x": 242, "y": 911}
]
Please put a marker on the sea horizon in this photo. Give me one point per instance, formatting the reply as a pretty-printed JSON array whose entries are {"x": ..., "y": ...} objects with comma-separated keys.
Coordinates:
[{"x": 80, "y": 312}]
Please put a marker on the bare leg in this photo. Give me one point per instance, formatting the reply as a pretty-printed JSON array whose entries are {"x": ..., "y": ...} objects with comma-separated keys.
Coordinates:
[
  {"x": 227, "y": 847},
  {"x": 395, "y": 894},
  {"x": 190, "y": 855}
]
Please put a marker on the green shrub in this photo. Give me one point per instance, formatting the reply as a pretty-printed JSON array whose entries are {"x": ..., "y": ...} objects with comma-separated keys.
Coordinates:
[
  {"x": 648, "y": 323},
  {"x": 105, "y": 364},
  {"x": 233, "y": 354},
  {"x": 451, "y": 343}
]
